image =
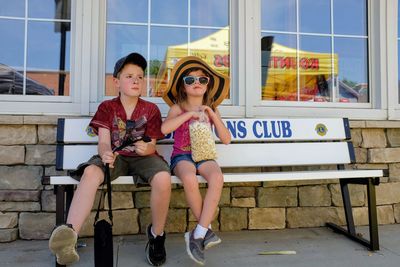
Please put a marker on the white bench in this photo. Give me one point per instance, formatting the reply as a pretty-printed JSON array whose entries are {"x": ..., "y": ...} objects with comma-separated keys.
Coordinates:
[{"x": 255, "y": 143}]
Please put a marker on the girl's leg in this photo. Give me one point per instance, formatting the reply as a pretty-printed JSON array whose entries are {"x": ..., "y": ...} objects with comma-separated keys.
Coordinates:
[
  {"x": 84, "y": 196},
  {"x": 215, "y": 179},
  {"x": 159, "y": 200},
  {"x": 186, "y": 171}
]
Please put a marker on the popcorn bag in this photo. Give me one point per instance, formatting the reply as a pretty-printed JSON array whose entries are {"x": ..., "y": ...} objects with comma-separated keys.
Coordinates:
[{"x": 201, "y": 139}]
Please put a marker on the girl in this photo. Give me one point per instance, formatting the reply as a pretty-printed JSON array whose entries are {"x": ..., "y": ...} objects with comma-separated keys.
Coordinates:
[{"x": 194, "y": 88}]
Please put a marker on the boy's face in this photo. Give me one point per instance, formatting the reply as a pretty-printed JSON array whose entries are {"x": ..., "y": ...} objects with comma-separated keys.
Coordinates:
[{"x": 131, "y": 81}]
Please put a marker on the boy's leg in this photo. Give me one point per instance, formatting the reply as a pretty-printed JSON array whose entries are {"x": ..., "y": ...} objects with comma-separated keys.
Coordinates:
[
  {"x": 63, "y": 239},
  {"x": 159, "y": 200},
  {"x": 186, "y": 172}
]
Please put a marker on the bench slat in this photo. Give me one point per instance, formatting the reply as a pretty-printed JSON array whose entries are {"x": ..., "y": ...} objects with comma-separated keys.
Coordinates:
[
  {"x": 237, "y": 155},
  {"x": 254, "y": 177},
  {"x": 269, "y": 129}
]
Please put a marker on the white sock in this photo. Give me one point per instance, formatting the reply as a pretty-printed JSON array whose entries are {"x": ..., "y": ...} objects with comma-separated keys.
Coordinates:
[
  {"x": 200, "y": 232},
  {"x": 209, "y": 226},
  {"x": 154, "y": 235}
]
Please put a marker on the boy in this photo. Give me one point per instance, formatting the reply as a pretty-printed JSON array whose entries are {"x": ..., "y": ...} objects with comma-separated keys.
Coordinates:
[{"x": 113, "y": 124}]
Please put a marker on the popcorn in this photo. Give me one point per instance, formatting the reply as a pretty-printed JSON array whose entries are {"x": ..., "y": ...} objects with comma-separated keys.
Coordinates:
[{"x": 202, "y": 141}]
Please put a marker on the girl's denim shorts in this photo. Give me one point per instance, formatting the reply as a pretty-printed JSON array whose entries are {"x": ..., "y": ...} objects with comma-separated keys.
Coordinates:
[{"x": 187, "y": 157}]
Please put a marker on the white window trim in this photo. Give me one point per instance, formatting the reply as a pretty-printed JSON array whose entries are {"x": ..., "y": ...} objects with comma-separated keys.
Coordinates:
[{"x": 392, "y": 62}]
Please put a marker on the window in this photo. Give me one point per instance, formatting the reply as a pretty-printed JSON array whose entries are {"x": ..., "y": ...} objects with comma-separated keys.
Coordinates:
[
  {"x": 35, "y": 48},
  {"x": 314, "y": 51},
  {"x": 164, "y": 31}
]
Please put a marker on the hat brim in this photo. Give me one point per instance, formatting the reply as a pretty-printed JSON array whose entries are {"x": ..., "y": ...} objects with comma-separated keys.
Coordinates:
[{"x": 218, "y": 92}]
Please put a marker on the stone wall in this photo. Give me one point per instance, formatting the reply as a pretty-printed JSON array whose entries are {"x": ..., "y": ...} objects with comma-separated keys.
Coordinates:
[{"x": 27, "y": 152}]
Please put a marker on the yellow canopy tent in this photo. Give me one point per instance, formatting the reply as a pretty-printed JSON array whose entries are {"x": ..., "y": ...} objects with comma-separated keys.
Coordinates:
[{"x": 281, "y": 83}]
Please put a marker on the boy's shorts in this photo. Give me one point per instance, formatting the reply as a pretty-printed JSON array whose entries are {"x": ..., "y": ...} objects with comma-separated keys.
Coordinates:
[
  {"x": 186, "y": 157},
  {"x": 142, "y": 169}
]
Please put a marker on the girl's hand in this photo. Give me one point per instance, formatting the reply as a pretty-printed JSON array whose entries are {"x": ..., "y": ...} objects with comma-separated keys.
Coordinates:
[
  {"x": 109, "y": 157},
  {"x": 211, "y": 114}
]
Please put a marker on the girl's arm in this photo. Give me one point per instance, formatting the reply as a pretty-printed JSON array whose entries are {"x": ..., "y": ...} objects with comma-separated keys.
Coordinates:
[
  {"x": 223, "y": 132},
  {"x": 175, "y": 119}
]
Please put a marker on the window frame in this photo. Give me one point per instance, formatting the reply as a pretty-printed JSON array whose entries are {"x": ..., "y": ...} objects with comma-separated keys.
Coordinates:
[{"x": 392, "y": 61}]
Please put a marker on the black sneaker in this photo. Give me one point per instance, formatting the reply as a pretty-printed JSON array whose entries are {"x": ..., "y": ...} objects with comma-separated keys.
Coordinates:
[{"x": 155, "y": 249}]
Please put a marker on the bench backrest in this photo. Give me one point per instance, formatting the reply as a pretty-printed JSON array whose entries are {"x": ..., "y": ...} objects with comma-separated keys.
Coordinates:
[{"x": 255, "y": 142}]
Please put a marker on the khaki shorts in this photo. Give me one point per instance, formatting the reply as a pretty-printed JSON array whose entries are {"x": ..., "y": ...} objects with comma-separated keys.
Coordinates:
[{"x": 142, "y": 169}]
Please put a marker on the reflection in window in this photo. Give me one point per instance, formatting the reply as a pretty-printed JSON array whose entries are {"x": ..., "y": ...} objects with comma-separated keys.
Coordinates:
[
  {"x": 318, "y": 62},
  {"x": 164, "y": 34},
  {"x": 29, "y": 65}
]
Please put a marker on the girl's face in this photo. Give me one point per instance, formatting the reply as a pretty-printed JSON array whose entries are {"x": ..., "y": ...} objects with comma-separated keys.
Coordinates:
[{"x": 196, "y": 84}]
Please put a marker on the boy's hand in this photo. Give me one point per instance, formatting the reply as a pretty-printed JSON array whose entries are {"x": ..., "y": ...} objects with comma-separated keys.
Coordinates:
[
  {"x": 109, "y": 157},
  {"x": 141, "y": 148}
]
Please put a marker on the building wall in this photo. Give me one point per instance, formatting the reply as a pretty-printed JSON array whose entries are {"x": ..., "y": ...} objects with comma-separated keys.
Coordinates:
[{"x": 27, "y": 209}]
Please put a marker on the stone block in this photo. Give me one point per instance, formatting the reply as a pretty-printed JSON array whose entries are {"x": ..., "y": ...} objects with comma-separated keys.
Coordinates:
[
  {"x": 396, "y": 210},
  {"x": 361, "y": 155},
  {"x": 314, "y": 196},
  {"x": 48, "y": 201},
  {"x": 357, "y": 124},
  {"x": 176, "y": 220},
  {"x": 243, "y": 191},
  {"x": 277, "y": 197},
  {"x": 357, "y": 195},
  {"x": 12, "y": 155},
  {"x": 36, "y": 225},
  {"x": 383, "y": 155},
  {"x": 8, "y": 235},
  {"x": 20, "y": 177},
  {"x": 244, "y": 202},
  {"x": 385, "y": 214},
  {"x": 233, "y": 219},
  {"x": 19, "y": 206},
  {"x": 356, "y": 137},
  {"x": 47, "y": 134},
  {"x": 178, "y": 198},
  {"x": 267, "y": 218},
  {"x": 393, "y": 137},
  {"x": 314, "y": 216},
  {"x": 17, "y": 134},
  {"x": 388, "y": 193},
  {"x": 120, "y": 200},
  {"x": 373, "y": 138},
  {"x": 11, "y": 119},
  {"x": 41, "y": 120},
  {"x": 8, "y": 220},
  {"x": 394, "y": 172},
  {"x": 19, "y": 195},
  {"x": 40, "y": 155}
]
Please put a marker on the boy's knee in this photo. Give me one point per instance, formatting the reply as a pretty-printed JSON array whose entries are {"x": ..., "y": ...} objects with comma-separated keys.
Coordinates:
[
  {"x": 161, "y": 180},
  {"x": 93, "y": 173}
]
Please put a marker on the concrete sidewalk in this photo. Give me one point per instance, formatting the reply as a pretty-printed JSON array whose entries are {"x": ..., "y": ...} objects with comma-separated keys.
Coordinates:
[{"x": 313, "y": 246}]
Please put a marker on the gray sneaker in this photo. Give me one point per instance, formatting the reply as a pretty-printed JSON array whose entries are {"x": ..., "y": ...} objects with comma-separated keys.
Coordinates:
[
  {"x": 62, "y": 244},
  {"x": 211, "y": 239},
  {"x": 195, "y": 248}
]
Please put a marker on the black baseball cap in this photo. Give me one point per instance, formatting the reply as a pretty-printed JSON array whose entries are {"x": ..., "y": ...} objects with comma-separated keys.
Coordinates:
[{"x": 134, "y": 58}]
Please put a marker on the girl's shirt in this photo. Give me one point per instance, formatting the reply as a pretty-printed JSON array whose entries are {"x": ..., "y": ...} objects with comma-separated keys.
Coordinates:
[
  {"x": 111, "y": 115},
  {"x": 182, "y": 139}
]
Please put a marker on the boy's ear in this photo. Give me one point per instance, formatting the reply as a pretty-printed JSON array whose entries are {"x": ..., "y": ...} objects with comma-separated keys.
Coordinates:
[{"x": 116, "y": 82}]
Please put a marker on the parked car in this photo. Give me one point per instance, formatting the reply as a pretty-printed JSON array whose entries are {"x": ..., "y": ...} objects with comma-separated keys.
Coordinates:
[{"x": 11, "y": 83}]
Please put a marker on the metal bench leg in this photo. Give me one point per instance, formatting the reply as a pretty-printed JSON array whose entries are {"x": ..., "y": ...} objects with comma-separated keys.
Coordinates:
[{"x": 373, "y": 243}]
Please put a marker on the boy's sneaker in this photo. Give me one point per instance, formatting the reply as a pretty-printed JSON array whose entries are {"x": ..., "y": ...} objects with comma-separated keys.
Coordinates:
[
  {"x": 211, "y": 239},
  {"x": 195, "y": 248},
  {"x": 62, "y": 244},
  {"x": 155, "y": 249}
]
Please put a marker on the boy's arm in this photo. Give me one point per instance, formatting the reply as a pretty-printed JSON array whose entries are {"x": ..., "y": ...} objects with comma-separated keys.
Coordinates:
[
  {"x": 104, "y": 146},
  {"x": 175, "y": 119}
]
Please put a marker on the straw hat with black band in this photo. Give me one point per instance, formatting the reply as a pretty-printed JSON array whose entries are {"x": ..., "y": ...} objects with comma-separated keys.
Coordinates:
[{"x": 220, "y": 83}]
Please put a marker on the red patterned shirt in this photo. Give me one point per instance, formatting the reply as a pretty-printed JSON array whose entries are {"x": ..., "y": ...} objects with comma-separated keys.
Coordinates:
[{"x": 112, "y": 116}]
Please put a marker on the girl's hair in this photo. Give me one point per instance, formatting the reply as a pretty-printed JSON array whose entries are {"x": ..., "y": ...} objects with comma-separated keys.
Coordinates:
[{"x": 182, "y": 96}]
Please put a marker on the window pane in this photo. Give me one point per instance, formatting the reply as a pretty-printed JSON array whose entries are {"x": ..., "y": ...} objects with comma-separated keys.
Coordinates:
[
  {"x": 216, "y": 11},
  {"x": 312, "y": 11},
  {"x": 316, "y": 68},
  {"x": 15, "y": 8},
  {"x": 165, "y": 51},
  {"x": 353, "y": 70},
  {"x": 278, "y": 15},
  {"x": 127, "y": 10},
  {"x": 279, "y": 67},
  {"x": 169, "y": 11},
  {"x": 122, "y": 40},
  {"x": 350, "y": 17},
  {"x": 48, "y": 62},
  {"x": 50, "y": 9}
]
